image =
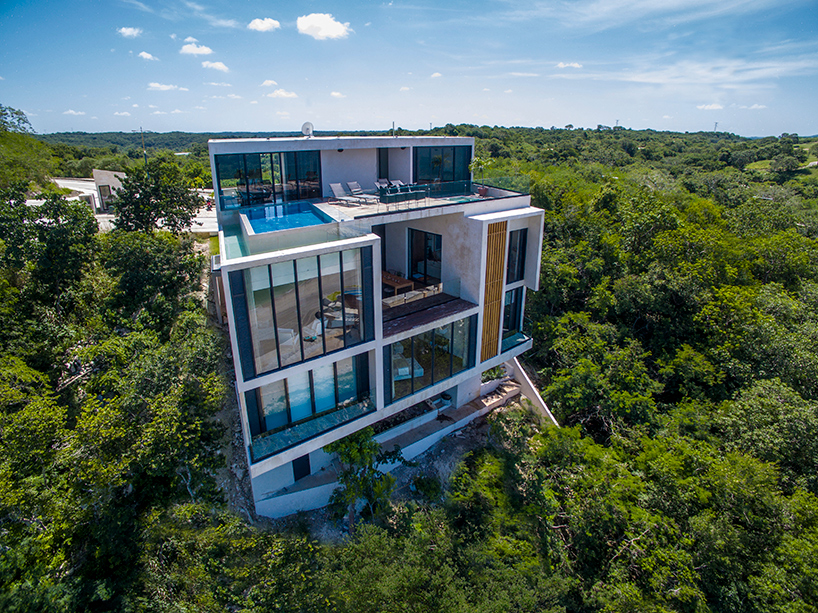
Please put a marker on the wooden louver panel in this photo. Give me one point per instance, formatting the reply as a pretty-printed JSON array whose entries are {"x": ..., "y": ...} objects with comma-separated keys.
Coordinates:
[{"x": 495, "y": 273}]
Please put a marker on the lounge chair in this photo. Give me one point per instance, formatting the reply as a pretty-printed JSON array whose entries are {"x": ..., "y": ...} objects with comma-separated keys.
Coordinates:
[
  {"x": 339, "y": 194},
  {"x": 357, "y": 192}
]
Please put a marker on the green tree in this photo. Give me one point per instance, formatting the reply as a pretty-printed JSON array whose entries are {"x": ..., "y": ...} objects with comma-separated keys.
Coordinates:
[
  {"x": 160, "y": 194},
  {"x": 360, "y": 455}
]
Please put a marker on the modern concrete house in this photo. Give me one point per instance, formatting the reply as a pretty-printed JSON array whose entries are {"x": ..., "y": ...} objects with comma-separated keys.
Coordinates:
[{"x": 353, "y": 309}]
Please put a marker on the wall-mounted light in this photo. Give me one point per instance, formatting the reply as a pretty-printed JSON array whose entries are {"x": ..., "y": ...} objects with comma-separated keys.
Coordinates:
[
  {"x": 402, "y": 148},
  {"x": 340, "y": 150}
]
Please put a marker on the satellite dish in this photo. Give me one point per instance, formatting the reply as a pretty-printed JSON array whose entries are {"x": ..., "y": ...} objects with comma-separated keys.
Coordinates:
[{"x": 307, "y": 129}]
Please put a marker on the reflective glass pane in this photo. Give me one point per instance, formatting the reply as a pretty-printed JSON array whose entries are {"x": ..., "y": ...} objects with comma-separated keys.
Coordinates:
[
  {"x": 402, "y": 363},
  {"x": 423, "y": 349},
  {"x": 353, "y": 291},
  {"x": 309, "y": 174},
  {"x": 274, "y": 405},
  {"x": 310, "y": 306},
  {"x": 323, "y": 382},
  {"x": 298, "y": 386},
  {"x": 230, "y": 171},
  {"x": 331, "y": 301},
  {"x": 460, "y": 346},
  {"x": 260, "y": 313},
  {"x": 347, "y": 385},
  {"x": 288, "y": 328},
  {"x": 443, "y": 357},
  {"x": 289, "y": 177}
]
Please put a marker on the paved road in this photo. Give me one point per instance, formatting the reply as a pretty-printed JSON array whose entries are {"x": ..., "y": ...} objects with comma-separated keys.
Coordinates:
[{"x": 205, "y": 221}]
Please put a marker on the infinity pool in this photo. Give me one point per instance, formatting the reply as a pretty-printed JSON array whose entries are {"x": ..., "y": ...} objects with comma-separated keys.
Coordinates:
[{"x": 285, "y": 217}]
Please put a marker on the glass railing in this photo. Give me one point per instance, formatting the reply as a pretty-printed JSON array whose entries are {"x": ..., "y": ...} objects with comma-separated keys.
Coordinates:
[
  {"x": 520, "y": 184},
  {"x": 416, "y": 291},
  {"x": 274, "y": 442}
]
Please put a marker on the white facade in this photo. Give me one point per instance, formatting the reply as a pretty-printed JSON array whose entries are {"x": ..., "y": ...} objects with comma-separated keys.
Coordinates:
[{"x": 343, "y": 314}]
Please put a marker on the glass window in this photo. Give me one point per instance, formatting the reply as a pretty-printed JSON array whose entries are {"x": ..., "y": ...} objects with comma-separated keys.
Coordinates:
[
  {"x": 347, "y": 381},
  {"x": 460, "y": 345},
  {"x": 323, "y": 381},
  {"x": 309, "y": 174},
  {"x": 423, "y": 344},
  {"x": 331, "y": 301},
  {"x": 262, "y": 324},
  {"x": 300, "y": 396},
  {"x": 286, "y": 309},
  {"x": 353, "y": 293},
  {"x": 274, "y": 405},
  {"x": 306, "y": 404},
  {"x": 230, "y": 179},
  {"x": 310, "y": 307},
  {"x": 516, "y": 255},
  {"x": 401, "y": 369},
  {"x": 426, "y": 255},
  {"x": 258, "y": 192},
  {"x": 512, "y": 312},
  {"x": 443, "y": 353}
]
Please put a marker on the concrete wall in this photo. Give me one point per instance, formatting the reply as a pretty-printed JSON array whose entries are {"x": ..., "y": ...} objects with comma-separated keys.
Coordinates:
[{"x": 359, "y": 165}]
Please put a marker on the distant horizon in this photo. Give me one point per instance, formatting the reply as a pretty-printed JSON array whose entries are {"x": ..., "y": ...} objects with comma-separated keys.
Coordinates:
[
  {"x": 339, "y": 131},
  {"x": 745, "y": 66}
]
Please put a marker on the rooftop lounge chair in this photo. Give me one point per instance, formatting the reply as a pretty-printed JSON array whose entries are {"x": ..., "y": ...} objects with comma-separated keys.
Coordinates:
[
  {"x": 339, "y": 194},
  {"x": 357, "y": 192}
]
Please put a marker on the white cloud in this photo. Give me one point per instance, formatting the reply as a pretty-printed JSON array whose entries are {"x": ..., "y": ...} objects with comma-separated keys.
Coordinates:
[
  {"x": 283, "y": 113},
  {"x": 194, "y": 49},
  {"x": 337, "y": 95},
  {"x": 173, "y": 36},
  {"x": 254, "y": 102},
  {"x": 264, "y": 25},
  {"x": 200, "y": 108},
  {"x": 73, "y": 112},
  {"x": 215, "y": 66},
  {"x": 136, "y": 106},
  {"x": 282, "y": 93},
  {"x": 161, "y": 87},
  {"x": 122, "y": 113},
  {"x": 176, "y": 112},
  {"x": 234, "y": 96},
  {"x": 184, "y": 89},
  {"x": 220, "y": 84},
  {"x": 268, "y": 83},
  {"x": 159, "y": 113},
  {"x": 569, "y": 65},
  {"x": 524, "y": 74},
  {"x": 199, "y": 11},
  {"x": 189, "y": 39},
  {"x": 130, "y": 32},
  {"x": 508, "y": 91},
  {"x": 710, "y": 107},
  {"x": 755, "y": 107},
  {"x": 322, "y": 26},
  {"x": 486, "y": 89},
  {"x": 147, "y": 56},
  {"x": 667, "y": 117},
  {"x": 405, "y": 89},
  {"x": 435, "y": 75},
  {"x": 152, "y": 106}
]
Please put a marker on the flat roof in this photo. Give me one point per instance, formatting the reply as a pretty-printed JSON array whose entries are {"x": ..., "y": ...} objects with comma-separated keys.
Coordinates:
[{"x": 322, "y": 143}]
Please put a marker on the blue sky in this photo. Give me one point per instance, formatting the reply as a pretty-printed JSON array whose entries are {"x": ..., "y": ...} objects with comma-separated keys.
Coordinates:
[{"x": 214, "y": 65}]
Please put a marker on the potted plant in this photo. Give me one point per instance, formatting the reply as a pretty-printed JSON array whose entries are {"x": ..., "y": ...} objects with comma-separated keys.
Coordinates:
[{"x": 479, "y": 163}]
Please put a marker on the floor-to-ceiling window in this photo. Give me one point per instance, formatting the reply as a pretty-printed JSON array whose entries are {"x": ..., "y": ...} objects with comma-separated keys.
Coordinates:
[
  {"x": 303, "y": 405},
  {"x": 441, "y": 164},
  {"x": 513, "y": 318},
  {"x": 415, "y": 363},
  {"x": 425, "y": 256},
  {"x": 297, "y": 310},
  {"x": 517, "y": 240},
  {"x": 256, "y": 179}
]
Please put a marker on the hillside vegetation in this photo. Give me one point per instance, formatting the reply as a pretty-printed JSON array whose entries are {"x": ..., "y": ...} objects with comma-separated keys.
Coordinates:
[{"x": 676, "y": 339}]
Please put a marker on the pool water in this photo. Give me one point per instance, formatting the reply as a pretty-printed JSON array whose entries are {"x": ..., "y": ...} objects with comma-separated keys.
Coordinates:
[{"x": 285, "y": 217}]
